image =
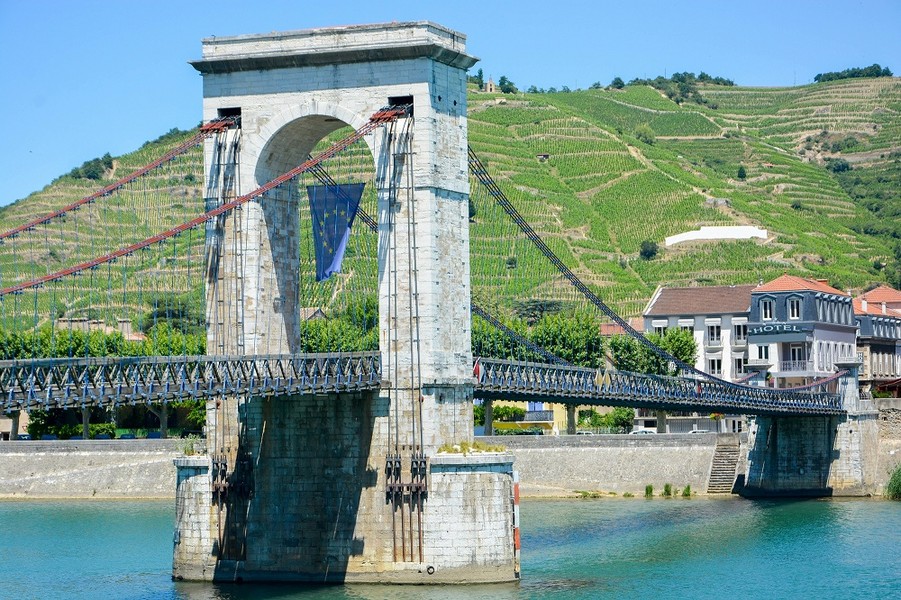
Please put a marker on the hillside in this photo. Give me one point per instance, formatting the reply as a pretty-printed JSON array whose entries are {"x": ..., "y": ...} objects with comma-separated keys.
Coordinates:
[
  {"x": 608, "y": 191},
  {"x": 627, "y": 166}
]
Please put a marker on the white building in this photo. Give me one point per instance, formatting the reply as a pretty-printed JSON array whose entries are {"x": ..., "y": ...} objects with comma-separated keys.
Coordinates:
[{"x": 717, "y": 317}]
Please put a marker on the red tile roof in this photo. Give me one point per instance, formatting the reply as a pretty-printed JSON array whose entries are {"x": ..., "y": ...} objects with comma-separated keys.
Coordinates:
[
  {"x": 874, "y": 308},
  {"x": 883, "y": 293},
  {"x": 708, "y": 300},
  {"x": 608, "y": 329},
  {"x": 792, "y": 283}
]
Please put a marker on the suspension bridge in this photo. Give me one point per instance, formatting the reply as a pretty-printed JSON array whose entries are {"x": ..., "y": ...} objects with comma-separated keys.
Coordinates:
[
  {"x": 335, "y": 178},
  {"x": 79, "y": 381}
]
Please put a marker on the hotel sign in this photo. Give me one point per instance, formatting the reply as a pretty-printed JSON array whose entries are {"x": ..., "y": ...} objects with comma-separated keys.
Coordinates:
[{"x": 777, "y": 328}]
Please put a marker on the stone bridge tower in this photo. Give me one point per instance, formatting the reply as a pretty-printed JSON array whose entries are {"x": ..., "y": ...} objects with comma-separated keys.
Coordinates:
[{"x": 346, "y": 487}]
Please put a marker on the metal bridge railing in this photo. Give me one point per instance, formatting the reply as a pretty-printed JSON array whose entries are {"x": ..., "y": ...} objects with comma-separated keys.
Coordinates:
[
  {"x": 578, "y": 385},
  {"x": 69, "y": 383}
]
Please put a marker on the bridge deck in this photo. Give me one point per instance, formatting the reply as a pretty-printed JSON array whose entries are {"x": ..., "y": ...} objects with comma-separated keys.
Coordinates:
[{"x": 70, "y": 383}]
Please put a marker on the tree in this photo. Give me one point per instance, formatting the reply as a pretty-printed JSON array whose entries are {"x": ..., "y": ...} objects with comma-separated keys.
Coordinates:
[
  {"x": 838, "y": 165},
  {"x": 645, "y": 134},
  {"x": 629, "y": 354},
  {"x": 742, "y": 174},
  {"x": 648, "y": 250},
  {"x": 488, "y": 340},
  {"x": 679, "y": 343},
  {"x": 595, "y": 86},
  {"x": 478, "y": 79},
  {"x": 617, "y": 83},
  {"x": 533, "y": 309},
  {"x": 574, "y": 337},
  {"x": 620, "y": 418},
  {"x": 873, "y": 70},
  {"x": 506, "y": 86}
]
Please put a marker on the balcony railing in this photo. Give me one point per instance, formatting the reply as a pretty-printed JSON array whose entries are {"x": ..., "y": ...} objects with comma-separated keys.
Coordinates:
[
  {"x": 713, "y": 342},
  {"x": 796, "y": 365},
  {"x": 740, "y": 342},
  {"x": 539, "y": 416}
]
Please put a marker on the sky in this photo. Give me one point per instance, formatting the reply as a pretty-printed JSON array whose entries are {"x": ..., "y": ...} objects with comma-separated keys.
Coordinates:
[{"x": 85, "y": 77}]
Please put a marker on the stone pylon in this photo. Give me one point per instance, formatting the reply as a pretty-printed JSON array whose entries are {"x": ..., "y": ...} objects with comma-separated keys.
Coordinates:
[{"x": 346, "y": 487}]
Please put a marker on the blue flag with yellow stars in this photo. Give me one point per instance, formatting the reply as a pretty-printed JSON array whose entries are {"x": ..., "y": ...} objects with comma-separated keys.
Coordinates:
[{"x": 333, "y": 208}]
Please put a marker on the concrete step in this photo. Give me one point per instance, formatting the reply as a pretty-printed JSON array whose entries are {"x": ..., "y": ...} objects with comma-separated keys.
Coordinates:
[{"x": 722, "y": 471}]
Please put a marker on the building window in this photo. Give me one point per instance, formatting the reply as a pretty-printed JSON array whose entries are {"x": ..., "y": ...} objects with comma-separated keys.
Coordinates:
[
  {"x": 740, "y": 364},
  {"x": 766, "y": 310},
  {"x": 794, "y": 308},
  {"x": 660, "y": 330},
  {"x": 714, "y": 334},
  {"x": 687, "y": 328},
  {"x": 740, "y": 332},
  {"x": 715, "y": 366},
  {"x": 763, "y": 352}
]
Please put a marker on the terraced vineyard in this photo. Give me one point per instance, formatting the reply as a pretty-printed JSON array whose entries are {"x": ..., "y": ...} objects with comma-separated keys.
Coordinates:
[
  {"x": 575, "y": 168},
  {"x": 607, "y": 191}
]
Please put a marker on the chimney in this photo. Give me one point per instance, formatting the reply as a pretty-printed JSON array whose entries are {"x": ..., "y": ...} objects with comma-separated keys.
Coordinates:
[
  {"x": 863, "y": 305},
  {"x": 824, "y": 281},
  {"x": 883, "y": 308}
]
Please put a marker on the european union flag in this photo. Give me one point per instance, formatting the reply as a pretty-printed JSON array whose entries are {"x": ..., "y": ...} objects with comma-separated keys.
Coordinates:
[{"x": 333, "y": 208}]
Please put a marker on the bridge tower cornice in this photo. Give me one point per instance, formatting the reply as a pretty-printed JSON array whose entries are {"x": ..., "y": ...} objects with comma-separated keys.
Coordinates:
[{"x": 335, "y": 46}]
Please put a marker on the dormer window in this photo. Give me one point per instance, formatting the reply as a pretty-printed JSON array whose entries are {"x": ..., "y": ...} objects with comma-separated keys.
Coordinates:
[
  {"x": 766, "y": 310},
  {"x": 794, "y": 308}
]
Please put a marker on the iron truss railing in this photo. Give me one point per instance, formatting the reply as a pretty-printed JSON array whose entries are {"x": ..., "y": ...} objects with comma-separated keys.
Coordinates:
[
  {"x": 502, "y": 379},
  {"x": 71, "y": 383}
]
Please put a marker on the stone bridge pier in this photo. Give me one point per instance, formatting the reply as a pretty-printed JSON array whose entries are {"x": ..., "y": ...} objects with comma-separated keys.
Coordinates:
[
  {"x": 345, "y": 487},
  {"x": 816, "y": 455}
]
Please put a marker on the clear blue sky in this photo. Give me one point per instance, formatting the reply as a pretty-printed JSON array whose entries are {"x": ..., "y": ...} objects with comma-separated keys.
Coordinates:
[{"x": 84, "y": 77}]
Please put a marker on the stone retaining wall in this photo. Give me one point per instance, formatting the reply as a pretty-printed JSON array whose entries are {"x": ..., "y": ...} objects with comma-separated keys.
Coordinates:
[
  {"x": 547, "y": 465},
  {"x": 89, "y": 468},
  {"x": 889, "y": 456},
  {"x": 559, "y": 465}
]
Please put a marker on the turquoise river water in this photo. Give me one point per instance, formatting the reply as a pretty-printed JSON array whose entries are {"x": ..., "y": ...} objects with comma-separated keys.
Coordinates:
[{"x": 607, "y": 548}]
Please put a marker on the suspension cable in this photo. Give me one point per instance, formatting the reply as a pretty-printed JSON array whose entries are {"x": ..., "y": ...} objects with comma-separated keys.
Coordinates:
[{"x": 378, "y": 119}]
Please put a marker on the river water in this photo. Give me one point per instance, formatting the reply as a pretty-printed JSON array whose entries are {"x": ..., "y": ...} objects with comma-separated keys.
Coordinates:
[{"x": 599, "y": 548}]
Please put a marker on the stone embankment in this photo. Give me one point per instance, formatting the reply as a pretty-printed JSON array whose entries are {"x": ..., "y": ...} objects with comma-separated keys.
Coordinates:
[
  {"x": 556, "y": 466},
  {"x": 547, "y": 465},
  {"x": 89, "y": 468}
]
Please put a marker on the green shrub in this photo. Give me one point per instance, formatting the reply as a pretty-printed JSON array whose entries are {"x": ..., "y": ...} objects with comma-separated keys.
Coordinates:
[
  {"x": 686, "y": 493},
  {"x": 648, "y": 250},
  {"x": 95, "y": 429},
  {"x": 893, "y": 489},
  {"x": 508, "y": 413},
  {"x": 667, "y": 490},
  {"x": 645, "y": 134},
  {"x": 628, "y": 495},
  {"x": 649, "y": 491}
]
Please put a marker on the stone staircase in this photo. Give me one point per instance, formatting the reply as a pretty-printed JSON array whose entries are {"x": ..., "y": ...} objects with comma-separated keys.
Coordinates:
[{"x": 722, "y": 471}]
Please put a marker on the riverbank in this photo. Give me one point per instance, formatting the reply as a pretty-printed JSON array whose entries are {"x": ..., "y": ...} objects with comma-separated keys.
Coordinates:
[
  {"x": 548, "y": 466},
  {"x": 109, "y": 469},
  {"x": 558, "y": 466}
]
